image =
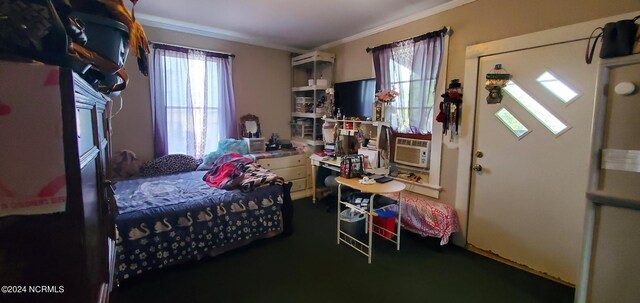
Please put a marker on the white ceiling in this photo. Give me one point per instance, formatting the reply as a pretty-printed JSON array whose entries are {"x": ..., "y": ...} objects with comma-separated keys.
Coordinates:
[{"x": 287, "y": 24}]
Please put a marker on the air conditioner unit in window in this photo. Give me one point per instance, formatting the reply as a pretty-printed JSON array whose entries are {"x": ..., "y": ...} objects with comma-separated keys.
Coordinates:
[{"x": 413, "y": 152}]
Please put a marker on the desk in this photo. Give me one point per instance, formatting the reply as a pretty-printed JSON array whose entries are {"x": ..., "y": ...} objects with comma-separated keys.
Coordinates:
[
  {"x": 332, "y": 164},
  {"x": 374, "y": 189}
]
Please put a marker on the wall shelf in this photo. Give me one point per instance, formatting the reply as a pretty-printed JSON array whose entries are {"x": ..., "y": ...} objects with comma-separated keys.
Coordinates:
[
  {"x": 309, "y": 59},
  {"x": 306, "y": 115},
  {"x": 309, "y": 88},
  {"x": 307, "y": 69}
]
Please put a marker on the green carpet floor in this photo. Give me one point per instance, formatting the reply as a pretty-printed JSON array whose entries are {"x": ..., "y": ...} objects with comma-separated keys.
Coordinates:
[{"x": 308, "y": 266}]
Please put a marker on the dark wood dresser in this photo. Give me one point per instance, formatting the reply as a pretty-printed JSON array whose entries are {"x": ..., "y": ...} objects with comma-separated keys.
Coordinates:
[{"x": 65, "y": 255}]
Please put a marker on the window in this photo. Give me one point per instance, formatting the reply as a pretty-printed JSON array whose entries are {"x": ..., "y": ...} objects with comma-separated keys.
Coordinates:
[
  {"x": 557, "y": 87},
  {"x": 512, "y": 123},
  {"x": 193, "y": 106},
  {"x": 191, "y": 121},
  {"x": 411, "y": 103},
  {"x": 550, "y": 121},
  {"x": 411, "y": 67}
]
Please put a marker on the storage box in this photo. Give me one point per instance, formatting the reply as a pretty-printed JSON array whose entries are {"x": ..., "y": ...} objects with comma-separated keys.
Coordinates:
[
  {"x": 256, "y": 145},
  {"x": 386, "y": 223},
  {"x": 322, "y": 82},
  {"x": 318, "y": 82},
  {"x": 108, "y": 38},
  {"x": 303, "y": 100},
  {"x": 304, "y": 105},
  {"x": 353, "y": 223}
]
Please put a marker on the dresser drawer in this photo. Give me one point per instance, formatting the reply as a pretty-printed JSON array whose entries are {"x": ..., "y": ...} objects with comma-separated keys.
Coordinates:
[
  {"x": 283, "y": 162},
  {"x": 291, "y": 173},
  {"x": 298, "y": 184}
]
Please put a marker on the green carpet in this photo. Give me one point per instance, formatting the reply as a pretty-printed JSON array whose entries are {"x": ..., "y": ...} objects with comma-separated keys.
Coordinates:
[{"x": 308, "y": 266}]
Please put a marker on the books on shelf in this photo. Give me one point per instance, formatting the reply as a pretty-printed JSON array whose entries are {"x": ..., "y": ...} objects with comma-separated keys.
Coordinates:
[{"x": 330, "y": 149}]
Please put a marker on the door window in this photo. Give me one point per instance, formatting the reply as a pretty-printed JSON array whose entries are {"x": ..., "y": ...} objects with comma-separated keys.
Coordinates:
[
  {"x": 557, "y": 87},
  {"x": 549, "y": 120},
  {"x": 512, "y": 123}
]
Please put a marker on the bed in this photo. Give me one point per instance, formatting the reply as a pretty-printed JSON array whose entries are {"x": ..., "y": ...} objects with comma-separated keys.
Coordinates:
[{"x": 166, "y": 220}]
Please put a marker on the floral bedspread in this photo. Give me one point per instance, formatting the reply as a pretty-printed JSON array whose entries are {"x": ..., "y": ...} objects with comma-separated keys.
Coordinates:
[{"x": 175, "y": 218}]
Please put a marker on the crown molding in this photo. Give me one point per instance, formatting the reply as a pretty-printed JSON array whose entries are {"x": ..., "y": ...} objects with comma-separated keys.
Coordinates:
[
  {"x": 208, "y": 31},
  {"x": 417, "y": 16},
  {"x": 213, "y": 32}
]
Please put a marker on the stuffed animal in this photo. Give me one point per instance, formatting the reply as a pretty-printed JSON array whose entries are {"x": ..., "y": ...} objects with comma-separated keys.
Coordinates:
[{"x": 126, "y": 164}]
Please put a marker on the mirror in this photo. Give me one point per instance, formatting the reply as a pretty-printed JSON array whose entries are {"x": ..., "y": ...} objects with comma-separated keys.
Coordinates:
[{"x": 250, "y": 126}]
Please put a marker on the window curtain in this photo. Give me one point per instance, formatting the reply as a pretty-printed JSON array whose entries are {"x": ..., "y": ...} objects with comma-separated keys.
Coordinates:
[
  {"x": 193, "y": 102},
  {"x": 411, "y": 67}
]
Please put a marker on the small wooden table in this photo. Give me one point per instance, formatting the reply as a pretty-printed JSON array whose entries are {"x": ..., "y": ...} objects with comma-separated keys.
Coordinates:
[{"x": 374, "y": 189}]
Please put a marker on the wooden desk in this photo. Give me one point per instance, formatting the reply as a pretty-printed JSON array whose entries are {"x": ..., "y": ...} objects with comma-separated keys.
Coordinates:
[{"x": 374, "y": 189}]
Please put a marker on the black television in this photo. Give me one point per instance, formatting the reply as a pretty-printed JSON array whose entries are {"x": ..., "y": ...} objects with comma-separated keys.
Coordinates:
[{"x": 355, "y": 98}]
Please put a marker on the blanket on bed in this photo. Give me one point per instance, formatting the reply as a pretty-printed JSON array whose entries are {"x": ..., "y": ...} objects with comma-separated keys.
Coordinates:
[
  {"x": 175, "y": 218},
  {"x": 235, "y": 171},
  {"x": 256, "y": 176}
]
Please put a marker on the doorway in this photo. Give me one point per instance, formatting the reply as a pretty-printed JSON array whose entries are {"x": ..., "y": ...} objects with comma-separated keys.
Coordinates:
[
  {"x": 518, "y": 160},
  {"x": 531, "y": 158}
]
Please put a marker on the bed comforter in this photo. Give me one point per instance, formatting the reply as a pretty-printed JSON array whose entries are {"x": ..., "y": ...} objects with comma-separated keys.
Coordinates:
[{"x": 172, "y": 219}]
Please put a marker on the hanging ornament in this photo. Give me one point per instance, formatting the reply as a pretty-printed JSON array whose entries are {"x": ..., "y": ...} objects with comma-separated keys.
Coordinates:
[
  {"x": 497, "y": 78},
  {"x": 451, "y": 109}
]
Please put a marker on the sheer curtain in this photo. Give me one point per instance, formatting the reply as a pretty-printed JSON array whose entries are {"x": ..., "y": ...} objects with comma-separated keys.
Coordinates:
[
  {"x": 192, "y": 100},
  {"x": 411, "y": 67}
]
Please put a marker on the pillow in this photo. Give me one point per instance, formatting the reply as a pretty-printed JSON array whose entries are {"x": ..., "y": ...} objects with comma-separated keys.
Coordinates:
[
  {"x": 169, "y": 164},
  {"x": 224, "y": 147}
]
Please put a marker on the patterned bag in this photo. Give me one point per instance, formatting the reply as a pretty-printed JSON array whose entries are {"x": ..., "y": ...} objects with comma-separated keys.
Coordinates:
[{"x": 352, "y": 166}]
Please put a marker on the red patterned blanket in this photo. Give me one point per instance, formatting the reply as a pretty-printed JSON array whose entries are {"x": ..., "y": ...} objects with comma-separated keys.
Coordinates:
[{"x": 427, "y": 217}]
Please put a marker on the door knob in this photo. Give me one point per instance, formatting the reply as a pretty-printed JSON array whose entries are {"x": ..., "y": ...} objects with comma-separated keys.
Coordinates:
[{"x": 477, "y": 167}]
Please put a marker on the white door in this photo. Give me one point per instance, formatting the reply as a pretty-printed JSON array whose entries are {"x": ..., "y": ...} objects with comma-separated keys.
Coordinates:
[{"x": 528, "y": 199}]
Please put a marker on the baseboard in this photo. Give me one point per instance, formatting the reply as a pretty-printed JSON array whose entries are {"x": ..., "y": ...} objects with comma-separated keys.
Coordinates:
[{"x": 500, "y": 259}]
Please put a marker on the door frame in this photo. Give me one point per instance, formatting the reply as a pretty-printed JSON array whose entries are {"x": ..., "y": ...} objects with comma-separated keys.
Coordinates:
[{"x": 465, "y": 140}]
